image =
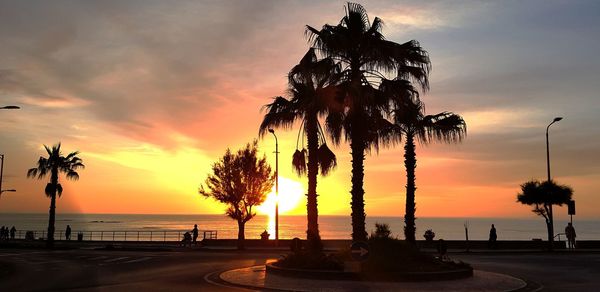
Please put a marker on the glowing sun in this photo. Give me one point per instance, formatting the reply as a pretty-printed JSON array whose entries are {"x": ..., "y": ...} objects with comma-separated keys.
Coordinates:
[{"x": 291, "y": 194}]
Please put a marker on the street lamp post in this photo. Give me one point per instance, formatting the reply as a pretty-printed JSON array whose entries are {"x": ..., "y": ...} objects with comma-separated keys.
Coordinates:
[
  {"x": 550, "y": 178},
  {"x": 7, "y": 107},
  {"x": 276, "y": 188},
  {"x": 1, "y": 173}
]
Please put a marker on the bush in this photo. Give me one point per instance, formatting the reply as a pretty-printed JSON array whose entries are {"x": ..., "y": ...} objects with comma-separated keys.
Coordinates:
[
  {"x": 429, "y": 235},
  {"x": 311, "y": 260},
  {"x": 382, "y": 230},
  {"x": 388, "y": 256}
]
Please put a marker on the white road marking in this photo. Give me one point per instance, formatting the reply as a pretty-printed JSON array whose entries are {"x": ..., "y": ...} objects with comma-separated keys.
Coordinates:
[
  {"x": 116, "y": 259},
  {"x": 46, "y": 263},
  {"x": 137, "y": 260}
]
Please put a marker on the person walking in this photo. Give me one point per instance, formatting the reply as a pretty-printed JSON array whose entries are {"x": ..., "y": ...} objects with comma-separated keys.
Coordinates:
[
  {"x": 195, "y": 233},
  {"x": 68, "y": 233},
  {"x": 13, "y": 230},
  {"x": 493, "y": 237},
  {"x": 570, "y": 233}
]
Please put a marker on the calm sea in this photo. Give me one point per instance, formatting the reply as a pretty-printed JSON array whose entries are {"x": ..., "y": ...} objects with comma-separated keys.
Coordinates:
[{"x": 331, "y": 227}]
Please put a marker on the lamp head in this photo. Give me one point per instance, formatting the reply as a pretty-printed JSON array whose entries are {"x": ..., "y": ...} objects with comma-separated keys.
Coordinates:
[
  {"x": 557, "y": 119},
  {"x": 271, "y": 131}
]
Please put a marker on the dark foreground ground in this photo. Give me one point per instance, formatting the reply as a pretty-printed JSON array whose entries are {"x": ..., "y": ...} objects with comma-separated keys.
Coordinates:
[{"x": 188, "y": 269}]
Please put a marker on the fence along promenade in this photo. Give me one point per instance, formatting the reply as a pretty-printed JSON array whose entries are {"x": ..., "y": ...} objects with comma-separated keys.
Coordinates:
[{"x": 118, "y": 235}]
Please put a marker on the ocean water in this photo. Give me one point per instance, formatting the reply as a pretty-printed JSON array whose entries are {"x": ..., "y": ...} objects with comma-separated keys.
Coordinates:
[{"x": 331, "y": 227}]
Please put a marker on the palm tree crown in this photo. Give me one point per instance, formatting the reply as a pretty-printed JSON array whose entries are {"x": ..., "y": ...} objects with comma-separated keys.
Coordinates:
[{"x": 54, "y": 164}]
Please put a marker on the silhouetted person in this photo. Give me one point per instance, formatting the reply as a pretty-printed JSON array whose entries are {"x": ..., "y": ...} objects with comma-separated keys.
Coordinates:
[
  {"x": 187, "y": 239},
  {"x": 13, "y": 230},
  {"x": 570, "y": 233},
  {"x": 195, "y": 233},
  {"x": 2, "y": 234},
  {"x": 493, "y": 237},
  {"x": 68, "y": 233},
  {"x": 442, "y": 250}
]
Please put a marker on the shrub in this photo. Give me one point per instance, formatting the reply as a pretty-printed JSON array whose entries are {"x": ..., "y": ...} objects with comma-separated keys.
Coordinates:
[
  {"x": 429, "y": 235},
  {"x": 310, "y": 260},
  {"x": 382, "y": 230}
]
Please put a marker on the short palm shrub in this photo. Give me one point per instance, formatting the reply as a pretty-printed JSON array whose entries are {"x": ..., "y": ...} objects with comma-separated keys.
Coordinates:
[{"x": 429, "y": 235}]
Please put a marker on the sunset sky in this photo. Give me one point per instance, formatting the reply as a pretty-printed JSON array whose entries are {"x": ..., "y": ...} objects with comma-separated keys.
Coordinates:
[{"x": 153, "y": 92}]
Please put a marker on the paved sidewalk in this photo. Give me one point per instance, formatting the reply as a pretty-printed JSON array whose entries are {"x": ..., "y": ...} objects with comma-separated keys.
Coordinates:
[{"x": 256, "y": 277}]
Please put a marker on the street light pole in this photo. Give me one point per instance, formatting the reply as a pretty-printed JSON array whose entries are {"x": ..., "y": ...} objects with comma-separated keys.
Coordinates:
[
  {"x": 551, "y": 219},
  {"x": 276, "y": 188},
  {"x": 7, "y": 107},
  {"x": 1, "y": 171}
]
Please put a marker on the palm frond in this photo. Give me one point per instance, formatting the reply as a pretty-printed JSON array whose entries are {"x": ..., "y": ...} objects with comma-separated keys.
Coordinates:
[
  {"x": 446, "y": 126},
  {"x": 72, "y": 175},
  {"x": 327, "y": 159},
  {"x": 281, "y": 114},
  {"x": 299, "y": 162}
]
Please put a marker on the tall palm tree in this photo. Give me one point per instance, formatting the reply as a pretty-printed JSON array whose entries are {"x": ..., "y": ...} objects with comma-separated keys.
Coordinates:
[
  {"x": 312, "y": 90},
  {"x": 54, "y": 164},
  {"x": 411, "y": 121},
  {"x": 366, "y": 57}
]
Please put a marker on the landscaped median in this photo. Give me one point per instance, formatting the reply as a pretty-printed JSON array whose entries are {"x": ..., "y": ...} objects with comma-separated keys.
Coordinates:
[
  {"x": 459, "y": 273},
  {"x": 379, "y": 259},
  {"x": 256, "y": 278}
]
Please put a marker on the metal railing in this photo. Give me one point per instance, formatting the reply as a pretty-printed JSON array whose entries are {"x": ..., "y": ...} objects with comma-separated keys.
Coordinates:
[
  {"x": 559, "y": 234},
  {"x": 116, "y": 235}
]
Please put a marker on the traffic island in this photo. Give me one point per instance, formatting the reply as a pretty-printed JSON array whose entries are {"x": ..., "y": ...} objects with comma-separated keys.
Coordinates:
[
  {"x": 256, "y": 277},
  {"x": 379, "y": 259}
]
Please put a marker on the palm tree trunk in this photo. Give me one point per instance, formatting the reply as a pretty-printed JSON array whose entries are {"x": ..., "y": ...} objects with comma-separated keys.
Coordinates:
[
  {"x": 410, "y": 162},
  {"x": 312, "y": 212},
  {"x": 52, "y": 211},
  {"x": 357, "y": 146},
  {"x": 51, "y": 220},
  {"x": 550, "y": 228},
  {"x": 241, "y": 236}
]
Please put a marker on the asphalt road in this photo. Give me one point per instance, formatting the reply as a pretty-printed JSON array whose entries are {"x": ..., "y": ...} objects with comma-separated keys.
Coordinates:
[
  {"x": 561, "y": 271},
  {"x": 90, "y": 270},
  {"x": 185, "y": 270}
]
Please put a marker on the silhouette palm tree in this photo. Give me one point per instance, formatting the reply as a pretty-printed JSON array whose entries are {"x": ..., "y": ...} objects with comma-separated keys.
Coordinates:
[
  {"x": 312, "y": 90},
  {"x": 54, "y": 164},
  {"x": 411, "y": 121},
  {"x": 366, "y": 57}
]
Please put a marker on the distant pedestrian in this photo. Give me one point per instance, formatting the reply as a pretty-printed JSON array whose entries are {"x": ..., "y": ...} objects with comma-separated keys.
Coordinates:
[
  {"x": 195, "y": 233},
  {"x": 2, "y": 233},
  {"x": 13, "y": 230},
  {"x": 443, "y": 250},
  {"x": 570, "y": 233},
  {"x": 68, "y": 233},
  {"x": 187, "y": 239},
  {"x": 493, "y": 237}
]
